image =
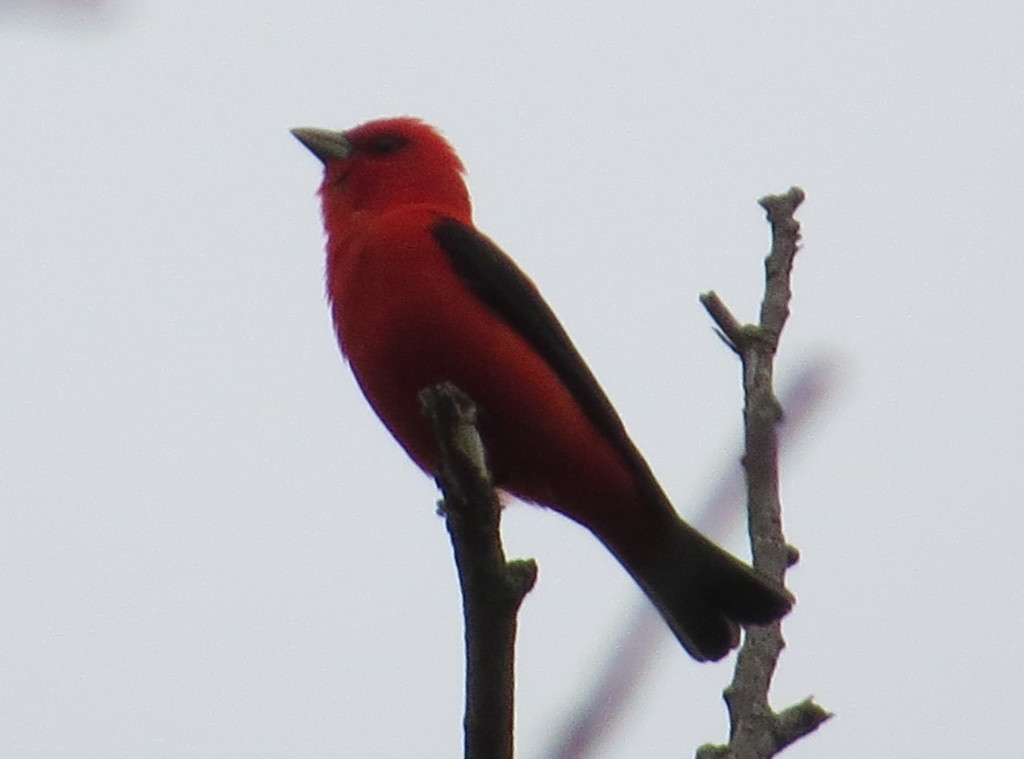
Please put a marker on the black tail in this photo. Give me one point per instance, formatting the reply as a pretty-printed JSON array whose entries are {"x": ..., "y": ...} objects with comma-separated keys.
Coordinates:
[{"x": 703, "y": 592}]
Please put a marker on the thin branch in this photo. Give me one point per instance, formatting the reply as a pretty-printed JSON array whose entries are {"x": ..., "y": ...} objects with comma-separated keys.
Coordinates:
[
  {"x": 757, "y": 732},
  {"x": 779, "y": 264},
  {"x": 492, "y": 588},
  {"x": 631, "y": 655},
  {"x": 729, "y": 327}
]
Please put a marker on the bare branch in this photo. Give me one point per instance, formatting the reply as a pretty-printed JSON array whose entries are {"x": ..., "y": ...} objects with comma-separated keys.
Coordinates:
[
  {"x": 729, "y": 327},
  {"x": 756, "y": 731},
  {"x": 797, "y": 721},
  {"x": 492, "y": 588},
  {"x": 779, "y": 264},
  {"x": 630, "y": 656}
]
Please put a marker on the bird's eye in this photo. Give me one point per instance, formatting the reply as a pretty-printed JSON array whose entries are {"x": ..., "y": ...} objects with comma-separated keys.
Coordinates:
[{"x": 386, "y": 144}]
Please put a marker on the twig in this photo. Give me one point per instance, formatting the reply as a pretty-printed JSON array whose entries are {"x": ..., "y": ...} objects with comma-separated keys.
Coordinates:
[
  {"x": 757, "y": 732},
  {"x": 492, "y": 588}
]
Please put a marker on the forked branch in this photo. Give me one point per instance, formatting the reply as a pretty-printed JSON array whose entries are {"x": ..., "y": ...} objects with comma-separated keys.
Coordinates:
[{"x": 756, "y": 731}]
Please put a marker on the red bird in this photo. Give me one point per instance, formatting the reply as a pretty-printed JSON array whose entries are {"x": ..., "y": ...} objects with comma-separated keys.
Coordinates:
[{"x": 419, "y": 297}]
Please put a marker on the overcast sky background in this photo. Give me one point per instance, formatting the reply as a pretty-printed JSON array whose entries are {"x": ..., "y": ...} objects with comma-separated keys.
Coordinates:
[{"x": 209, "y": 547}]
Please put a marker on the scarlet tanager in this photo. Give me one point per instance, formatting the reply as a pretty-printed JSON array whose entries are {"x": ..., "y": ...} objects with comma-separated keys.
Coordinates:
[{"x": 420, "y": 297}]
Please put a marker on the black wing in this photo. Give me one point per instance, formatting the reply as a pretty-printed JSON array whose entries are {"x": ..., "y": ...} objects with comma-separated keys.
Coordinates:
[{"x": 501, "y": 286}]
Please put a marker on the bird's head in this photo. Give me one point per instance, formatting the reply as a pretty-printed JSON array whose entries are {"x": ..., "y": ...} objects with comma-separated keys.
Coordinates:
[{"x": 387, "y": 163}]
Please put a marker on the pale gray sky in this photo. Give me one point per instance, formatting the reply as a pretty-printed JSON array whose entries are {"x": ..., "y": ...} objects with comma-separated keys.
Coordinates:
[{"x": 210, "y": 547}]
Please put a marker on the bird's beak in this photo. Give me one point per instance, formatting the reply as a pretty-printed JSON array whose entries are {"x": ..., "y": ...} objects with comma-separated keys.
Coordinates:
[{"x": 323, "y": 143}]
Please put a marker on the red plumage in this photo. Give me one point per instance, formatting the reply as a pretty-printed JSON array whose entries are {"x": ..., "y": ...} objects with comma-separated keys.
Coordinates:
[{"x": 420, "y": 297}]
